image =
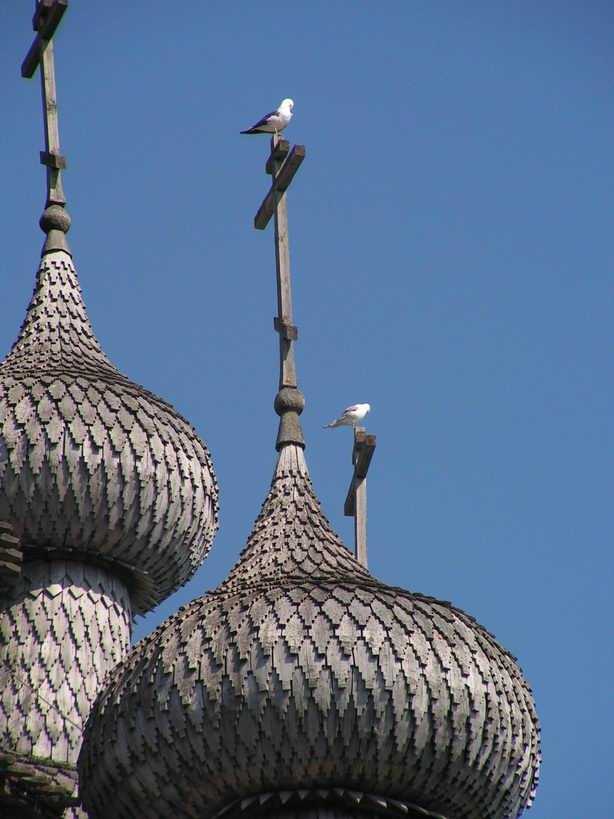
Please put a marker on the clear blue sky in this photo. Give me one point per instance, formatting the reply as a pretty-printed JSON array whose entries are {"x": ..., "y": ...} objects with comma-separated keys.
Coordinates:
[{"x": 452, "y": 242}]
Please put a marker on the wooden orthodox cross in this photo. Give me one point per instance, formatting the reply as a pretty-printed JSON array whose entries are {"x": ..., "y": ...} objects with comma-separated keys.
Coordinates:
[
  {"x": 47, "y": 16},
  {"x": 356, "y": 500},
  {"x": 282, "y": 164}
]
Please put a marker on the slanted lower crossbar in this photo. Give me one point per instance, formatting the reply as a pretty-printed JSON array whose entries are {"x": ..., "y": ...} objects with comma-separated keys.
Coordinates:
[{"x": 356, "y": 500}]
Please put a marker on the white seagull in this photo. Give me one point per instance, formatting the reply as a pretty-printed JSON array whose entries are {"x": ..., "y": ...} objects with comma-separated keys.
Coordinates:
[
  {"x": 274, "y": 122},
  {"x": 350, "y": 416}
]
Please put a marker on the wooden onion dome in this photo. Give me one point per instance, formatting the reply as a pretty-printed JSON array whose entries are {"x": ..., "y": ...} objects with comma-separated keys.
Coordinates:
[
  {"x": 92, "y": 466},
  {"x": 301, "y": 676}
]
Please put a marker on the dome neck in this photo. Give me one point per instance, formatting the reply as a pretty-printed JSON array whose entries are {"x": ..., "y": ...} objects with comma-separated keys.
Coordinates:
[
  {"x": 55, "y": 223},
  {"x": 289, "y": 404}
]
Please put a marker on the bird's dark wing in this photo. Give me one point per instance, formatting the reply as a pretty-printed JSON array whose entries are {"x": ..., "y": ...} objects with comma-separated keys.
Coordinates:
[
  {"x": 255, "y": 130},
  {"x": 264, "y": 120}
]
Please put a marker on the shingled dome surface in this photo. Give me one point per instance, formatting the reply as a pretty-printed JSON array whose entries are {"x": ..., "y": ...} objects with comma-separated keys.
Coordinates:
[
  {"x": 91, "y": 462},
  {"x": 301, "y": 677}
]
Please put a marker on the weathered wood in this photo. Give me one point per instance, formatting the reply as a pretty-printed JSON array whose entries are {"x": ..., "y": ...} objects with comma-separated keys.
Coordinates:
[
  {"x": 55, "y": 193},
  {"x": 364, "y": 454},
  {"x": 52, "y": 132},
  {"x": 360, "y": 520},
  {"x": 289, "y": 331},
  {"x": 290, "y": 167},
  {"x": 33, "y": 57},
  {"x": 60, "y": 611},
  {"x": 45, "y": 21},
  {"x": 265, "y": 211},
  {"x": 287, "y": 373},
  {"x": 279, "y": 151},
  {"x": 86, "y": 433},
  {"x": 282, "y": 164},
  {"x": 47, "y": 16},
  {"x": 53, "y": 160},
  {"x": 356, "y": 500},
  {"x": 299, "y": 668},
  {"x": 349, "y": 507},
  {"x": 287, "y": 370},
  {"x": 364, "y": 446},
  {"x": 281, "y": 182}
]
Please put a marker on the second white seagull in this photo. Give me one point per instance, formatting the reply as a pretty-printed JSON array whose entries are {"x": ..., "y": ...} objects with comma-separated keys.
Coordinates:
[
  {"x": 350, "y": 416},
  {"x": 275, "y": 122}
]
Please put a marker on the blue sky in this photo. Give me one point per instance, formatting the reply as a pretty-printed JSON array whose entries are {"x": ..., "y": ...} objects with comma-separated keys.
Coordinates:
[{"x": 452, "y": 244}]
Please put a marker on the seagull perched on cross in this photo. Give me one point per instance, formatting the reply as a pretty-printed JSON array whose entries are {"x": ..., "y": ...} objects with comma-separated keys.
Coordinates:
[
  {"x": 275, "y": 121},
  {"x": 350, "y": 416}
]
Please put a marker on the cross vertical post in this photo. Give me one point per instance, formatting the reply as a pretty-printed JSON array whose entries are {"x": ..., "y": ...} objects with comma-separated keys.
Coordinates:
[
  {"x": 287, "y": 331},
  {"x": 51, "y": 157},
  {"x": 47, "y": 16},
  {"x": 356, "y": 500},
  {"x": 281, "y": 165}
]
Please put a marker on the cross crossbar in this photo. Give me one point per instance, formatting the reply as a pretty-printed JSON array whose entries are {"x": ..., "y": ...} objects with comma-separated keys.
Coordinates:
[
  {"x": 356, "y": 500},
  {"x": 281, "y": 179},
  {"x": 45, "y": 22},
  {"x": 364, "y": 447},
  {"x": 53, "y": 160},
  {"x": 287, "y": 331}
]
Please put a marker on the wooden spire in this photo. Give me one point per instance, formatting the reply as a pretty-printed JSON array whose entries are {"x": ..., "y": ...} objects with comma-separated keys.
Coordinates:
[
  {"x": 282, "y": 165},
  {"x": 47, "y": 16}
]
